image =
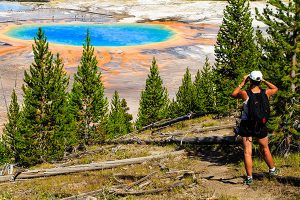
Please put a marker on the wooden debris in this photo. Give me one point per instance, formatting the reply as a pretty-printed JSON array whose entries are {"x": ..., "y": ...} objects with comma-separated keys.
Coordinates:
[
  {"x": 87, "y": 167},
  {"x": 173, "y": 121},
  {"x": 152, "y": 191},
  {"x": 145, "y": 184},
  {"x": 213, "y": 128},
  {"x": 179, "y": 140},
  {"x": 140, "y": 181}
]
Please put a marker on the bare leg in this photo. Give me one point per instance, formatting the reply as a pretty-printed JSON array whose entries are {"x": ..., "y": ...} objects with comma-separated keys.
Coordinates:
[
  {"x": 247, "y": 142},
  {"x": 266, "y": 151}
]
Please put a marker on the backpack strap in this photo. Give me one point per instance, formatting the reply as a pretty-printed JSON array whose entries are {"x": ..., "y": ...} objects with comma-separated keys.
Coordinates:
[
  {"x": 249, "y": 93},
  {"x": 262, "y": 91}
]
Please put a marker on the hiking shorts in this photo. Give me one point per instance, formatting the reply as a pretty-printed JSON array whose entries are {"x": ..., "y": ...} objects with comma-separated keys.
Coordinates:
[{"x": 246, "y": 129}]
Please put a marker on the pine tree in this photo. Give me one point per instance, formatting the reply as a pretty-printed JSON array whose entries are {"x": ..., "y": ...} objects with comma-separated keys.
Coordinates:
[
  {"x": 5, "y": 155},
  {"x": 89, "y": 104},
  {"x": 281, "y": 56},
  {"x": 11, "y": 128},
  {"x": 205, "y": 97},
  {"x": 185, "y": 102},
  {"x": 118, "y": 122},
  {"x": 128, "y": 117},
  {"x": 154, "y": 99},
  {"x": 44, "y": 122},
  {"x": 235, "y": 51}
]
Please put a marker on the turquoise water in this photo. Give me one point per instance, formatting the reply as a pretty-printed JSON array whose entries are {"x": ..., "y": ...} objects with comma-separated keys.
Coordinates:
[
  {"x": 101, "y": 35},
  {"x": 11, "y": 6}
]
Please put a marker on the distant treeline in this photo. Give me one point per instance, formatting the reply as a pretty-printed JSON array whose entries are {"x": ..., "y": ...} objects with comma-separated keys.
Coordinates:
[{"x": 53, "y": 121}]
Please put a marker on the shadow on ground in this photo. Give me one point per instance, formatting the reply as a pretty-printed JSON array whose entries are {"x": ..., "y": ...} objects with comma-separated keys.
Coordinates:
[{"x": 216, "y": 154}]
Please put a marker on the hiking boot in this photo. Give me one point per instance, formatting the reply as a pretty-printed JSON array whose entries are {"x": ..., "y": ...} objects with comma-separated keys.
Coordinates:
[
  {"x": 248, "y": 181},
  {"x": 274, "y": 172}
]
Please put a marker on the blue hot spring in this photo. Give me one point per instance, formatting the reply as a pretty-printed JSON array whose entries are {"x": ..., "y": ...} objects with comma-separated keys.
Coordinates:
[
  {"x": 101, "y": 35},
  {"x": 13, "y": 6}
]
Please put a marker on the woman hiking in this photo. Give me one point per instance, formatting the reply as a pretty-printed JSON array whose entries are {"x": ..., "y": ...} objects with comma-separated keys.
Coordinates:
[{"x": 249, "y": 128}]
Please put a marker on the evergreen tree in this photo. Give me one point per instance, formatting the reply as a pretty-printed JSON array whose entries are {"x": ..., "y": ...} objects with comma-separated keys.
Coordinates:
[
  {"x": 205, "y": 97},
  {"x": 5, "y": 157},
  {"x": 44, "y": 122},
  {"x": 89, "y": 104},
  {"x": 118, "y": 121},
  {"x": 154, "y": 99},
  {"x": 185, "y": 102},
  {"x": 128, "y": 117},
  {"x": 235, "y": 51},
  {"x": 11, "y": 128},
  {"x": 172, "y": 109},
  {"x": 281, "y": 47}
]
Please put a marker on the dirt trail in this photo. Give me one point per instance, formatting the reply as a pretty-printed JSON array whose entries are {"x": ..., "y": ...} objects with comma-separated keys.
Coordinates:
[{"x": 224, "y": 183}]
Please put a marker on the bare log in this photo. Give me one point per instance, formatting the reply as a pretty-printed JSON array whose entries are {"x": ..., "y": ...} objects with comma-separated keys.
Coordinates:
[
  {"x": 213, "y": 128},
  {"x": 179, "y": 140},
  {"x": 199, "y": 130},
  {"x": 92, "y": 166},
  {"x": 173, "y": 121},
  {"x": 6, "y": 178}
]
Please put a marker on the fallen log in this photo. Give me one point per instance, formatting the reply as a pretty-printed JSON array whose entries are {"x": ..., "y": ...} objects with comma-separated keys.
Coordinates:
[
  {"x": 6, "y": 178},
  {"x": 213, "y": 128},
  {"x": 179, "y": 140},
  {"x": 87, "y": 167},
  {"x": 175, "y": 120},
  {"x": 199, "y": 130}
]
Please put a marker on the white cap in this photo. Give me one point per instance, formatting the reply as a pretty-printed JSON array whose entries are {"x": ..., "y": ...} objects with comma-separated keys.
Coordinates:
[{"x": 256, "y": 75}]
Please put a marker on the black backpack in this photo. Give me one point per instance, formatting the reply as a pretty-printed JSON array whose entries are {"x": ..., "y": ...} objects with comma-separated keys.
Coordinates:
[{"x": 258, "y": 109}]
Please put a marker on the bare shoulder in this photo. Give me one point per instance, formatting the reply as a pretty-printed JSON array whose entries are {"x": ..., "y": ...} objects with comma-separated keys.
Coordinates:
[
  {"x": 270, "y": 92},
  {"x": 243, "y": 95}
]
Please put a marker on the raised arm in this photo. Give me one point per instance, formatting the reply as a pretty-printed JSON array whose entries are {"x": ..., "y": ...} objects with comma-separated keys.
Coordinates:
[
  {"x": 237, "y": 93},
  {"x": 272, "y": 89}
]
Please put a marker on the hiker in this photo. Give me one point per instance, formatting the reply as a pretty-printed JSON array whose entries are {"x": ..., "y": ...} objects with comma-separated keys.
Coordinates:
[{"x": 251, "y": 124}]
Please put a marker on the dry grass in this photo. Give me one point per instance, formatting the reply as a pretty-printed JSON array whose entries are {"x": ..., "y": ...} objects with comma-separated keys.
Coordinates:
[
  {"x": 67, "y": 185},
  {"x": 288, "y": 166}
]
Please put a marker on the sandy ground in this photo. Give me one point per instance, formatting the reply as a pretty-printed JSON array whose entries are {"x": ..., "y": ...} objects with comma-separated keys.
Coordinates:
[{"x": 123, "y": 69}]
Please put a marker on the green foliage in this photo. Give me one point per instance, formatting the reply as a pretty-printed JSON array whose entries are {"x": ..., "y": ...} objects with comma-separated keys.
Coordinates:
[
  {"x": 235, "y": 51},
  {"x": 281, "y": 56},
  {"x": 128, "y": 116},
  {"x": 205, "y": 95},
  {"x": 154, "y": 99},
  {"x": 89, "y": 105},
  {"x": 11, "y": 128},
  {"x": 185, "y": 102},
  {"x": 118, "y": 122},
  {"x": 45, "y": 125},
  {"x": 4, "y": 158}
]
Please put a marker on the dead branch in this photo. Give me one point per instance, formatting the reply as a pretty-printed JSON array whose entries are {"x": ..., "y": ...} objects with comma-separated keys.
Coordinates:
[
  {"x": 153, "y": 191},
  {"x": 145, "y": 184},
  {"x": 129, "y": 176},
  {"x": 140, "y": 181}
]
